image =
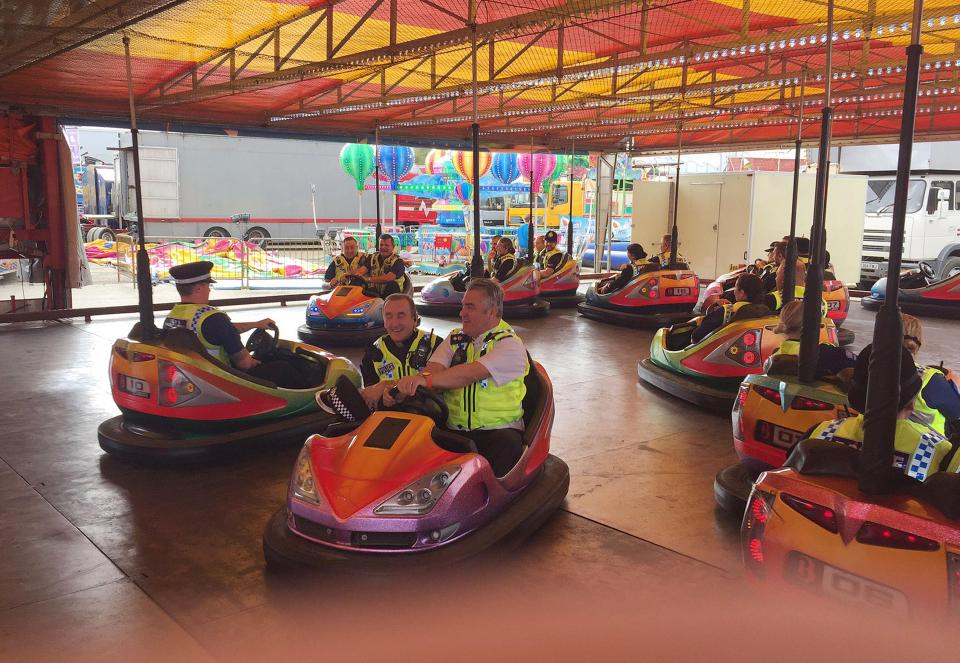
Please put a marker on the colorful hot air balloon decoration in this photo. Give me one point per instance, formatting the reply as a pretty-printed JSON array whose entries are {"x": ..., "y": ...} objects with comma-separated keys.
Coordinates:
[
  {"x": 505, "y": 167},
  {"x": 463, "y": 162},
  {"x": 358, "y": 162},
  {"x": 431, "y": 164},
  {"x": 395, "y": 162},
  {"x": 464, "y": 192},
  {"x": 536, "y": 168}
]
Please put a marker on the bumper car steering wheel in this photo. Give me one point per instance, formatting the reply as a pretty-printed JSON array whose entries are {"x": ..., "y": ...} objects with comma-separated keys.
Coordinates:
[
  {"x": 427, "y": 403},
  {"x": 261, "y": 344},
  {"x": 927, "y": 270}
]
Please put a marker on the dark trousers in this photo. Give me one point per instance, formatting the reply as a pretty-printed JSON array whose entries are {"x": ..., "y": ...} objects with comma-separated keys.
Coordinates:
[
  {"x": 285, "y": 374},
  {"x": 389, "y": 288},
  {"x": 501, "y": 447}
]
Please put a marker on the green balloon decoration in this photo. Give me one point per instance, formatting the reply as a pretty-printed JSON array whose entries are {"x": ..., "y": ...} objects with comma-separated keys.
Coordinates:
[
  {"x": 559, "y": 170},
  {"x": 357, "y": 161}
]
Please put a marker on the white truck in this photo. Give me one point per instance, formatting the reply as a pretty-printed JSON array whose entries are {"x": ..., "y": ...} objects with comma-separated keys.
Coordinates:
[{"x": 932, "y": 228}]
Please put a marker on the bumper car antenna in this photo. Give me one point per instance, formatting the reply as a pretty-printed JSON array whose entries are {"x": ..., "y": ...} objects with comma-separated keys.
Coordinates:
[{"x": 789, "y": 275}]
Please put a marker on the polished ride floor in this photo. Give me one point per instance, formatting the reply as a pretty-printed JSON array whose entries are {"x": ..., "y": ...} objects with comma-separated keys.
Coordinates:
[{"x": 110, "y": 561}]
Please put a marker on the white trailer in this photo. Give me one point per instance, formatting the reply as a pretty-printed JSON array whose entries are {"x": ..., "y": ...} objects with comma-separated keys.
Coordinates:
[{"x": 729, "y": 219}]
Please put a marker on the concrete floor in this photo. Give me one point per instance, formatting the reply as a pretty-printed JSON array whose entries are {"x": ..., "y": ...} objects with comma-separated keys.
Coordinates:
[{"x": 109, "y": 561}]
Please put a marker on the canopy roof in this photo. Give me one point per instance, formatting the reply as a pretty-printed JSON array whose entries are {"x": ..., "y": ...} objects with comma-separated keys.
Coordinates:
[{"x": 602, "y": 74}]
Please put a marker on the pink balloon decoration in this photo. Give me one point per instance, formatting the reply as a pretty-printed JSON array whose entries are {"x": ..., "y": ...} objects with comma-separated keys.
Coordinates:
[{"x": 541, "y": 165}]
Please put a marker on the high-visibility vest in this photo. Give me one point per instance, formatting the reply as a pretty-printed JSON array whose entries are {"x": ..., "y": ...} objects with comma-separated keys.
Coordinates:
[
  {"x": 191, "y": 317},
  {"x": 544, "y": 256},
  {"x": 391, "y": 367},
  {"x": 380, "y": 266},
  {"x": 506, "y": 258},
  {"x": 923, "y": 412},
  {"x": 918, "y": 449},
  {"x": 664, "y": 259},
  {"x": 343, "y": 265},
  {"x": 483, "y": 404}
]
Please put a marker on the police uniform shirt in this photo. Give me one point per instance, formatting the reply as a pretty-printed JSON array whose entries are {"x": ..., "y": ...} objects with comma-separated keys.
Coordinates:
[
  {"x": 506, "y": 360},
  {"x": 218, "y": 329},
  {"x": 553, "y": 262},
  {"x": 331, "y": 272},
  {"x": 398, "y": 269},
  {"x": 367, "y": 368}
]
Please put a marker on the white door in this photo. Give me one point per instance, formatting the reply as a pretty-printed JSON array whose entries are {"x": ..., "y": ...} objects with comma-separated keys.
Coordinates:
[{"x": 699, "y": 225}]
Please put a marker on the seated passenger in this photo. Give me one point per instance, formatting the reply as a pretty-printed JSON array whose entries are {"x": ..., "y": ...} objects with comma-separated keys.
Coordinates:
[
  {"x": 663, "y": 258},
  {"x": 402, "y": 351},
  {"x": 501, "y": 261},
  {"x": 539, "y": 249},
  {"x": 479, "y": 371},
  {"x": 918, "y": 449},
  {"x": 551, "y": 257},
  {"x": 938, "y": 401},
  {"x": 628, "y": 272},
  {"x": 351, "y": 262},
  {"x": 218, "y": 334},
  {"x": 768, "y": 272},
  {"x": 387, "y": 271},
  {"x": 775, "y": 298},
  {"x": 748, "y": 292},
  {"x": 831, "y": 359}
]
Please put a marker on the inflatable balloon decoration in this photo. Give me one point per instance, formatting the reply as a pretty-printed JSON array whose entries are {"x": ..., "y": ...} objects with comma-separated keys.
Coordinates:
[
  {"x": 357, "y": 161},
  {"x": 505, "y": 167}
]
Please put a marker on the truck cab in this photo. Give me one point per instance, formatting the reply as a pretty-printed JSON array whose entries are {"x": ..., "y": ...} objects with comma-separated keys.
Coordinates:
[{"x": 931, "y": 230}]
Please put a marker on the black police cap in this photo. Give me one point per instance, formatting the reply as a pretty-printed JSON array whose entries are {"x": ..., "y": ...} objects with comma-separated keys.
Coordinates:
[{"x": 192, "y": 272}]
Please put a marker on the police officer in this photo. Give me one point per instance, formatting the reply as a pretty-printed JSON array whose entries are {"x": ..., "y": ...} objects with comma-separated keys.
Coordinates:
[
  {"x": 749, "y": 304},
  {"x": 352, "y": 262},
  {"x": 918, "y": 449},
  {"x": 663, "y": 258},
  {"x": 386, "y": 269},
  {"x": 938, "y": 401},
  {"x": 501, "y": 261},
  {"x": 402, "y": 351},
  {"x": 637, "y": 265},
  {"x": 539, "y": 249},
  {"x": 551, "y": 258},
  {"x": 217, "y": 333}
]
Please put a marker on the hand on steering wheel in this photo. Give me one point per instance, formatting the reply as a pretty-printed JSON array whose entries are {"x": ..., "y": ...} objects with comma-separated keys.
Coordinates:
[
  {"x": 261, "y": 343},
  {"x": 420, "y": 403}
]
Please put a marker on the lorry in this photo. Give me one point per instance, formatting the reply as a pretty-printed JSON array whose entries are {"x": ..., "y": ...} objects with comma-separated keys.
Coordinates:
[
  {"x": 727, "y": 220},
  {"x": 932, "y": 226}
]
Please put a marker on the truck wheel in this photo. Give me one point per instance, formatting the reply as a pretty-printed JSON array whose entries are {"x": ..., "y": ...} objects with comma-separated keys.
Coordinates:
[
  {"x": 216, "y": 232},
  {"x": 91, "y": 234},
  {"x": 950, "y": 267},
  {"x": 108, "y": 234},
  {"x": 258, "y": 236}
]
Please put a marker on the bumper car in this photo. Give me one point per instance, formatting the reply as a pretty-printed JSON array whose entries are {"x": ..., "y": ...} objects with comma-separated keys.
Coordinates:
[
  {"x": 808, "y": 528},
  {"x": 179, "y": 404},
  {"x": 771, "y": 413},
  {"x": 350, "y": 314},
  {"x": 709, "y": 373},
  {"x": 443, "y": 296},
  {"x": 560, "y": 288},
  {"x": 835, "y": 294},
  {"x": 921, "y": 293},
  {"x": 653, "y": 299},
  {"x": 401, "y": 493}
]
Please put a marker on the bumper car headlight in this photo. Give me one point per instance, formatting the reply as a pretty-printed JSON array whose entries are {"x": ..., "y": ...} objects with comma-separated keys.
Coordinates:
[
  {"x": 304, "y": 486},
  {"x": 420, "y": 496}
]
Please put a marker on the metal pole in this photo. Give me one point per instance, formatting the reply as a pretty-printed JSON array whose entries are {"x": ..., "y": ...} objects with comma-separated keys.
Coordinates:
[
  {"x": 676, "y": 196},
  {"x": 789, "y": 273},
  {"x": 144, "y": 284},
  {"x": 570, "y": 201},
  {"x": 530, "y": 225},
  {"x": 476, "y": 266},
  {"x": 376, "y": 179},
  {"x": 813, "y": 290},
  {"x": 876, "y": 473}
]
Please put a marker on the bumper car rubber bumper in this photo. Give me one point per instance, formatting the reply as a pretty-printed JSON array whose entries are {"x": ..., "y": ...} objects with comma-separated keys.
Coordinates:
[
  {"x": 152, "y": 444},
  {"x": 639, "y": 319},
  {"x": 339, "y": 337},
  {"x": 565, "y": 299},
  {"x": 709, "y": 397},
  {"x": 845, "y": 336},
  {"x": 731, "y": 488},
  {"x": 283, "y": 548},
  {"x": 934, "y": 310}
]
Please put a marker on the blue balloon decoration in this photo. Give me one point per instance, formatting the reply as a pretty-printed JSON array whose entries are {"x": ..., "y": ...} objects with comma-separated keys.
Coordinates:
[
  {"x": 395, "y": 162},
  {"x": 464, "y": 192},
  {"x": 505, "y": 167}
]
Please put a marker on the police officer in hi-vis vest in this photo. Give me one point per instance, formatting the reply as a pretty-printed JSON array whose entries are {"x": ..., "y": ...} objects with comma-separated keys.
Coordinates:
[
  {"x": 404, "y": 350},
  {"x": 479, "y": 371},
  {"x": 217, "y": 333},
  {"x": 351, "y": 262},
  {"x": 387, "y": 271},
  {"x": 549, "y": 260}
]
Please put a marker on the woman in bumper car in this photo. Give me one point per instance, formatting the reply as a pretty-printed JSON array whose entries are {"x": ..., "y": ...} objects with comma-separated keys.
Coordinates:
[
  {"x": 749, "y": 296},
  {"x": 831, "y": 359},
  {"x": 637, "y": 265}
]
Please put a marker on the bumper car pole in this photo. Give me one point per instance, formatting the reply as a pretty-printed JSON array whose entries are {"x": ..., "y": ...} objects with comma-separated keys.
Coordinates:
[
  {"x": 875, "y": 475},
  {"x": 144, "y": 284},
  {"x": 573, "y": 153},
  {"x": 376, "y": 179},
  {"x": 813, "y": 291},
  {"x": 476, "y": 264},
  {"x": 789, "y": 275},
  {"x": 676, "y": 181}
]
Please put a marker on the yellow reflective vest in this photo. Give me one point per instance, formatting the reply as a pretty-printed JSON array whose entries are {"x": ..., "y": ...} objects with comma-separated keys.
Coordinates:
[
  {"x": 918, "y": 449},
  {"x": 343, "y": 265},
  {"x": 191, "y": 317},
  {"x": 923, "y": 412},
  {"x": 483, "y": 404},
  {"x": 380, "y": 266},
  {"x": 392, "y": 367}
]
